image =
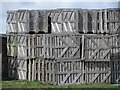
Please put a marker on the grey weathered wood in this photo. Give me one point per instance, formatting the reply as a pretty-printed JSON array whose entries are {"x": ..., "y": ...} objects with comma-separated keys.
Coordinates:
[
  {"x": 106, "y": 77},
  {"x": 63, "y": 47}
]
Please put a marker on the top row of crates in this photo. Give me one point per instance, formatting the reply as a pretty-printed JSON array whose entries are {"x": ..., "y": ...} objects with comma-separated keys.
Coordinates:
[{"x": 64, "y": 20}]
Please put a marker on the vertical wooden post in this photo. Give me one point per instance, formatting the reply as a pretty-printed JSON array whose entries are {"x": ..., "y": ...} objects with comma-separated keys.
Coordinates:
[
  {"x": 38, "y": 70},
  {"x": 101, "y": 22},
  {"x": 94, "y": 24},
  {"x": 43, "y": 70},
  {"x": 106, "y": 21},
  {"x": 29, "y": 66},
  {"x": 29, "y": 70},
  {"x": 83, "y": 63},
  {"x": 33, "y": 63},
  {"x": 53, "y": 70},
  {"x": 49, "y": 69},
  {"x": 77, "y": 20},
  {"x": 35, "y": 70},
  {"x": 44, "y": 38},
  {"x": 86, "y": 21},
  {"x": 83, "y": 37}
]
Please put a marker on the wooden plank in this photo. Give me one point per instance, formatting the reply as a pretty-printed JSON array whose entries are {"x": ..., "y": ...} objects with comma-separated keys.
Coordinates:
[
  {"x": 43, "y": 69},
  {"x": 65, "y": 78},
  {"x": 69, "y": 59},
  {"x": 83, "y": 46},
  {"x": 44, "y": 43},
  {"x": 53, "y": 67},
  {"x": 106, "y": 53},
  {"x": 63, "y": 52},
  {"x": 93, "y": 55},
  {"x": 29, "y": 70},
  {"x": 94, "y": 78},
  {"x": 106, "y": 29},
  {"x": 33, "y": 63},
  {"x": 101, "y": 22},
  {"x": 75, "y": 51},
  {"x": 106, "y": 42},
  {"x": 97, "y": 60},
  {"x": 74, "y": 40},
  {"x": 77, "y": 77},
  {"x": 106, "y": 77},
  {"x": 69, "y": 71}
]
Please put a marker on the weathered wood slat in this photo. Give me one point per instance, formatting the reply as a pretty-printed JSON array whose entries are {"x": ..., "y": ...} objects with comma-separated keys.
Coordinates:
[
  {"x": 63, "y": 52},
  {"x": 93, "y": 79},
  {"x": 108, "y": 74}
]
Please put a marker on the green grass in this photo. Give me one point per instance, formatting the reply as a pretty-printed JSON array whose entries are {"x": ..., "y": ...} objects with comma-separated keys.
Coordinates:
[{"x": 38, "y": 84}]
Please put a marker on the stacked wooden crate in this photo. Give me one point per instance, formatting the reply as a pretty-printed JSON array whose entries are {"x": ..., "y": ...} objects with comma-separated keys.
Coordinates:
[
  {"x": 102, "y": 46},
  {"x": 99, "y": 49},
  {"x": 20, "y": 40},
  {"x": 99, "y": 21},
  {"x": 64, "y": 46},
  {"x": 16, "y": 23}
]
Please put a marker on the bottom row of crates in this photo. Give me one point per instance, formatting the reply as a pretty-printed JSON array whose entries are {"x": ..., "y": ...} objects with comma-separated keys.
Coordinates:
[{"x": 65, "y": 71}]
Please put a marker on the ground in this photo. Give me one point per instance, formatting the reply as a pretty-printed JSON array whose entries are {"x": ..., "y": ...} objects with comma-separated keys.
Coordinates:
[{"x": 38, "y": 84}]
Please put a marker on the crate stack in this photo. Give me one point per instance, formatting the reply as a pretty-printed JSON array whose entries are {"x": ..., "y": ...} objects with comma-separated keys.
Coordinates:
[
  {"x": 64, "y": 46},
  {"x": 21, "y": 40},
  {"x": 102, "y": 45}
]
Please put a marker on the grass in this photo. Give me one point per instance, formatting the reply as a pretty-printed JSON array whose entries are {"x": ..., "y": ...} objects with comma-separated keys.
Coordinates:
[{"x": 38, "y": 84}]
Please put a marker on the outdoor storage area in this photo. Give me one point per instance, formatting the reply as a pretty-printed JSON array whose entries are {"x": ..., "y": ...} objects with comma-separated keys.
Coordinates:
[{"x": 64, "y": 46}]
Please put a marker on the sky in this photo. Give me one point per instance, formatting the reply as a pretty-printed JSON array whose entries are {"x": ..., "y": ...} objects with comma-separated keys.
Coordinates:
[{"x": 6, "y": 5}]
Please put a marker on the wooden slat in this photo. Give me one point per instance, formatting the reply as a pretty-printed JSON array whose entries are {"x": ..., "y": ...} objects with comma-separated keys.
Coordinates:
[
  {"x": 108, "y": 74},
  {"x": 74, "y": 52},
  {"x": 65, "y": 78},
  {"x": 94, "y": 78},
  {"x": 77, "y": 77},
  {"x": 106, "y": 53},
  {"x": 63, "y": 52}
]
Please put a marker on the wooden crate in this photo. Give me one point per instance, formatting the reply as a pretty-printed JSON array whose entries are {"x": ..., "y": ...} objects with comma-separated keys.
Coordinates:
[
  {"x": 60, "y": 46},
  {"x": 101, "y": 53},
  {"x": 17, "y": 68},
  {"x": 98, "y": 47},
  {"x": 87, "y": 21},
  {"x": 20, "y": 48},
  {"x": 99, "y": 21},
  {"x": 115, "y": 70},
  {"x": 17, "y": 21},
  {"x": 63, "y": 20},
  {"x": 12, "y": 72},
  {"x": 108, "y": 20},
  {"x": 11, "y": 21},
  {"x": 41, "y": 69},
  {"x": 21, "y": 45},
  {"x": 39, "y": 21},
  {"x": 101, "y": 47},
  {"x": 27, "y": 21},
  {"x": 69, "y": 71},
  {"x": 97, "y": 71},
  {"x": 115, "y": 60}
]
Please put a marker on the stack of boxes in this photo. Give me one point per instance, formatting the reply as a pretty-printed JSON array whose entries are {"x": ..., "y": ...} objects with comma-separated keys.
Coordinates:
[{"x": 30, "y": 33}]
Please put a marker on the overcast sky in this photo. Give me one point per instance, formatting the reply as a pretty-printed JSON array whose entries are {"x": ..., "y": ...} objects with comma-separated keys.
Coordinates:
[{"x": 50, "y": 4}]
